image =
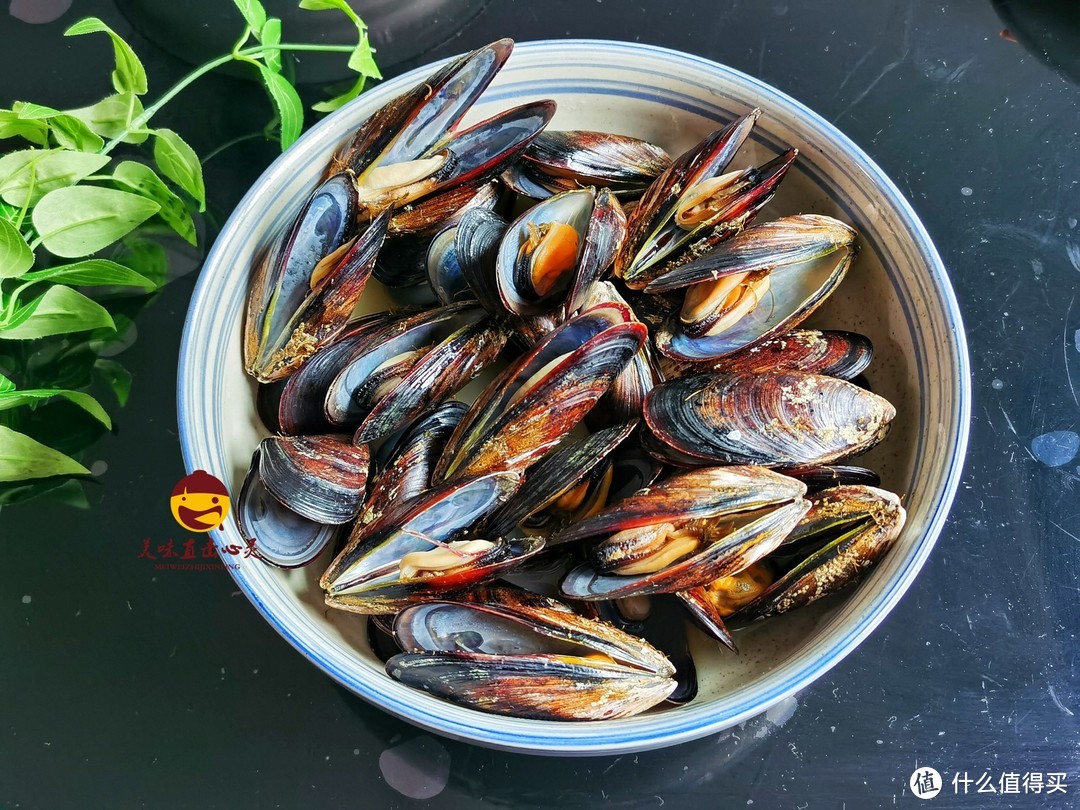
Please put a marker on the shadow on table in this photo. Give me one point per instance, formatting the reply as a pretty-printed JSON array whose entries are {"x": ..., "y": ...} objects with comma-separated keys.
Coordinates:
[{"x": 1049, "y": 29}]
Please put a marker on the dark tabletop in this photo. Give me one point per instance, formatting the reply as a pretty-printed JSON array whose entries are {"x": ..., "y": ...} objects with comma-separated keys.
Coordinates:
[{"x": 126, "y": 686}]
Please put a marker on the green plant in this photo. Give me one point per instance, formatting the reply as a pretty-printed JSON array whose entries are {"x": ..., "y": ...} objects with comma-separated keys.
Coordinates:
[{"x": 72, "y": 215}]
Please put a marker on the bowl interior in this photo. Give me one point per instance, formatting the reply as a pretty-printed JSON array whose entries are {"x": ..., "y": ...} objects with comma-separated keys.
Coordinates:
[{"x": 896, "y": 293}]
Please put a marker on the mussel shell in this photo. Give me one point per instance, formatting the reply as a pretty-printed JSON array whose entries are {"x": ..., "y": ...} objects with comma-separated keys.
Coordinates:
[
  {"x": 860, "y": 524},
  {"x": 830, "y": 352},
  {"x": 631, "y": 469},
  {"x": 409, "y": 334},
  {"x": 538, "y": 687},
  {"x": 834, "y": 475},
  {"x": 439, "y": 374},
  {"x": 728, "y": 554},
  {"x": 665, "y": 628},
  {"x": 301, "y": 398},
  {"x": 782, "y": 418},
  {"x": 476, "y": 244},
  {"x": 409, "y": 125},
  {"x": 689, "y": 495},
  {"x": 558, "y": 472},
  {"x": 444, "y": 271},
  {"x": 597, "y": 158},
  {"x": 280, "y": 536},
  {"x": 440, "y": 211},
  {"x": 441, "y": 514},
  {"x": 321, "y": 478},
  {"x": 297, "y": 320},
  {"x": 413, "y": 457},
  {"x": 657, "y": 207},
  {"x": 697, "y": 603},
  {"x": 495, "y": 434},
  {"x": 573, "y": 208},
  {"x": 390, "y": 595},
  {"x": 794, "y": 293},
  {"x": 604, "y": 238},
  {"x": 381, "y": 641},
  {"x": 402, "y": 262}
]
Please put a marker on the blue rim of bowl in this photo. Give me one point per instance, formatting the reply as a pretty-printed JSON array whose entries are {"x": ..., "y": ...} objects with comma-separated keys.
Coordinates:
[{"x": 536, "y": 740}]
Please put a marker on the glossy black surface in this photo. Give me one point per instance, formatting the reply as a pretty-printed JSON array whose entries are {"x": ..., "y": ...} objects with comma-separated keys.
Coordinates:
[{"x": 127, "y": 686}]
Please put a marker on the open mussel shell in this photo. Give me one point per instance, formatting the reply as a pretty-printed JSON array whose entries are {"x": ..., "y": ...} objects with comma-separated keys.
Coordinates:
[
  {"x": 847, "y": 530},
  {"x": 441, "y": 515},
  {"x": 708, "y": 618},
  {"x": 402, "y": 262},
  {"x": 295, "y": 405},
  {"x": 321, "y": 478},
  {"x": 651, "y": 227},
  {"x": 280, "y": 536},
  {"x": 407, "y": 472},
  {"x": 512, "y": 423},
  {"x": 394, "y": 592},
  {"x": 468, "y": 156},
  {"x": 830, "y": 352},
  {"x": 307, "y": 288},
  {"x": 563, "y": 470},
  {"x": 624, "y": 401},
  {"x": 520, "y": 654},
  {"x": 712, "y": 326},
  {"x": 777, "y": 419},
  {"x": 410, "y": 365},
  {"x": 740, "y": 513},
  {"x": 541, "y": 251},
  {"x": 409, "y": 125},
  {"x": 475, "y": 247}
]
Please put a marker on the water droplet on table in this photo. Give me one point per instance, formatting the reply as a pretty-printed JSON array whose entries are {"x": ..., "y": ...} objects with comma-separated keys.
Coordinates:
[
  {"x": 1055, "y": 448},
  {"x": 966, "y": 191},
  {"x": 997, "y": 384},
  {"x": 419, "y": 768}
]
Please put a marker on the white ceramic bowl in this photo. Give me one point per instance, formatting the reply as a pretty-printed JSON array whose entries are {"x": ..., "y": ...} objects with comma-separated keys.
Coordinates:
[{"x": 897, "y": 293}]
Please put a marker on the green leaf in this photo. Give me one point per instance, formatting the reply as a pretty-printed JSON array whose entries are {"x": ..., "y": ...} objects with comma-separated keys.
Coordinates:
[
  {"x": 13, "y": 399},
  {"x": 11, "y": 126},
  {"x": 81, "y": 220},
  {"x": 71, "y": 133},
  {"x": 180, "y": 164},
  {"x": 117, "y": 377},
  {"x": 93, "y": 272},
  {"x": 6, "y": 384},
  {"x": 254, "y": 14},
  {"x": 289, "y": 106},
  {"x": 328, "y": 5},
  {"x": 15, "y": 255},
  {"x": 271, "y": 35},
  {"x": 21, "y": 457},
  {"x": 362, "y": 60},
  {"x": 46, "y": 172},
  {"x": 144, "y": 180},
  {"x": 129, "y": 76},
  {"x": 145, "y": 256},
  {"x": 38, "y": 112},
  {"x": 111, "y": 116},
  {"x": 59, "y": 310},
  {"x": 338, "y": 102}
]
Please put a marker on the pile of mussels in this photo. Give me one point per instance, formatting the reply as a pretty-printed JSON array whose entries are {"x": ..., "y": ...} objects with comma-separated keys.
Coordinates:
[{"x": 625, "y": 463}]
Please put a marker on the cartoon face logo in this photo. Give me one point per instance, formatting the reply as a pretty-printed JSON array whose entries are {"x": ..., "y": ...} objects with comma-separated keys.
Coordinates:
[{"x": 200, "y": 502}]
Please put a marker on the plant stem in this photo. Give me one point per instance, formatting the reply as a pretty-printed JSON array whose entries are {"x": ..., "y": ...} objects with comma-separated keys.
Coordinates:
[{"x": 202, "y": 70}]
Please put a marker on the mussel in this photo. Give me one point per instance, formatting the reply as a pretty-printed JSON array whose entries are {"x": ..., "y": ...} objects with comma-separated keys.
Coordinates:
[
  {"x": 684, "y": 531},
  {"x": 418, "y": 548},
  {"x": 297, "y": 491},
  {"x": 778, "y": 419},
  {"x": 512, "y": 652},
  {"x": 847, "y": 530},
  {"x": 410, "y": 365},
  {"x": 536, "y": 401},
  {"x": 558, "y": 161},
  {"x": 758, "y": 284}
]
